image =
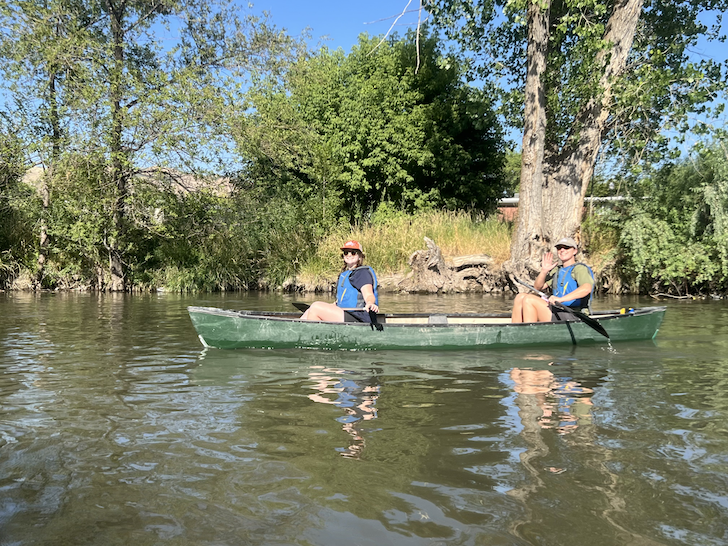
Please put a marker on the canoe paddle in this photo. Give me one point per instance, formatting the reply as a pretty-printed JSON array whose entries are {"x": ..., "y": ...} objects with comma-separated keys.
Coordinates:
[
  {"x": 586, "y": 319},
  {"x": 372, "y": 315}
]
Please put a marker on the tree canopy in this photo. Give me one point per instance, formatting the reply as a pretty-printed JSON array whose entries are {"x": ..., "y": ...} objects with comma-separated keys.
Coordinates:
[
  {"x": 367, "y": 128},
  {"x": 663, "y": 87}
]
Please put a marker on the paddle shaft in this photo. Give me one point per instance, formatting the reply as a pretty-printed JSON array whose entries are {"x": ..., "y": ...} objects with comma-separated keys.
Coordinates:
[{"x": 586, "y": 319}]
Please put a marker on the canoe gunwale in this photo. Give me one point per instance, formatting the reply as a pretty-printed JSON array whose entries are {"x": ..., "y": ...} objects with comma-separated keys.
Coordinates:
[{"x": 601, "y": 316}]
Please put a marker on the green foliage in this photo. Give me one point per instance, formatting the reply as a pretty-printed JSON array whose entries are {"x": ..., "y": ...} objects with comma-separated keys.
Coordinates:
[
  {"x": 195, "y": 241},
  {"x": 512, "y": 172},
  {"x": 11, "y": 166},
  {"x": 663, "y": 83},
  {"x": 14, "y": 225},
  {"x": 358, "y": 131},
  {"x": 99, "y": 77},
  {"x": 659, "y": 258},
  {"x": 179, "y": 240},
  {"x": 80, "y": 217},
  {"x": 676, "y": 235}
]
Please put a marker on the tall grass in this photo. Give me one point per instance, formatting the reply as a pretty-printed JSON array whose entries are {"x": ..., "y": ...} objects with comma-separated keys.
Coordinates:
[{"x": 389, "y": 241}]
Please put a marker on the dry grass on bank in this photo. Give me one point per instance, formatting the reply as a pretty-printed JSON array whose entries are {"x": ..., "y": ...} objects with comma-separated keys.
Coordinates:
[{"x": 388, "y": 244}]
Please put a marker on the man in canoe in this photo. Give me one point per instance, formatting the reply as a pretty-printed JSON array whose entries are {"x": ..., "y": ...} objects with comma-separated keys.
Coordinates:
[
  {"x": 356, "y": 291},
  {"x": 571, "y": 285}
]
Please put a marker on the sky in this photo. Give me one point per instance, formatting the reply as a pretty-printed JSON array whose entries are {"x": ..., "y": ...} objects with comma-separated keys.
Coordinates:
[{"x": 341, "y": 21}]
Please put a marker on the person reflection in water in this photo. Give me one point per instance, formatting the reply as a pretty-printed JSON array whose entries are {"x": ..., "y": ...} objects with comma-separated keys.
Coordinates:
[
  {"x": 564, "y": 403},
  {"x": 357, "y": 397}
]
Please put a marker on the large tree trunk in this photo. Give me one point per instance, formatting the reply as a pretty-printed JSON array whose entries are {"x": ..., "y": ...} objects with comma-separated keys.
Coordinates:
[
  {"x": 118, "y": 172},
  {"x": 552, "y": 198},
  {"x": 45, "y": 181},
  {"x": 571, "y": 169},
  {"x": 528, "y": 238}
]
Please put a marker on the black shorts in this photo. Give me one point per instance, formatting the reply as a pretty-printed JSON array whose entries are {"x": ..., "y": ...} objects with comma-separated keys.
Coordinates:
[
  {"x": 559, "y": 315},
  {"x": 357, "y": 316}
]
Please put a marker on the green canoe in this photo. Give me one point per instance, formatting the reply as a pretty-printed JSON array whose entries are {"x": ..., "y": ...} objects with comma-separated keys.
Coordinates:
[{"x": 227, "y": 329}]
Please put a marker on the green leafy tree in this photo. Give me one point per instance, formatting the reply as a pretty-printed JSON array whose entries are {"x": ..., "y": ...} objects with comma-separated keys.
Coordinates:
[
  {"x": 512, "y": 171},
  {"x": 166, "y": 103},
  {"x": 364, "y": 129},
  {"x": 583, "y": 76},
  {"x": 106, "y": 90},
  {"x": 43, "y": 52}
]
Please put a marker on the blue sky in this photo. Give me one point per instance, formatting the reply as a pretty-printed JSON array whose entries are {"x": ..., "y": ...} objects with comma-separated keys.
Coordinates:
[{"x": 340, "y": 20}]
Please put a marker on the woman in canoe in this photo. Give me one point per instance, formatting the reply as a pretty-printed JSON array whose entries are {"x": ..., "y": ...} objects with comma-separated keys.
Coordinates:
[
  {"x": 571, "y": 285},
  {"x": 355, "y": 289}
]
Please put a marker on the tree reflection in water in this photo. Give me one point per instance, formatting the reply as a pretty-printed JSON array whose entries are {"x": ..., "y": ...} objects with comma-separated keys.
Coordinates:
[{"x": 356, "y": 395}]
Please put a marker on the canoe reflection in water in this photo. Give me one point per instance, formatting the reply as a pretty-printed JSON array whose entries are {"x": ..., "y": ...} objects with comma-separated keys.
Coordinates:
[
  {"x": 564, "y": 403},
  {"x": 356, "y": 395}
]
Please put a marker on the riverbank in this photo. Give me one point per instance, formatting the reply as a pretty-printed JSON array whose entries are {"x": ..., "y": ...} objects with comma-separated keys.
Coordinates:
[
  {"x": 390, "y": 240},
  {"x": 429, "y": 252},
  {"x": 442, "y": 252}
]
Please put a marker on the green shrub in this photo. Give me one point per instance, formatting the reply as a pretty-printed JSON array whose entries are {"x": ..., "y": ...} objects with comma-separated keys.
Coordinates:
[{"x": 657, "y": 258}]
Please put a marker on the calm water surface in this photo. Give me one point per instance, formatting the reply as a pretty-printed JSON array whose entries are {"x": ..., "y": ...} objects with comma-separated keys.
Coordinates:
[{"x": 117, "y": 427}]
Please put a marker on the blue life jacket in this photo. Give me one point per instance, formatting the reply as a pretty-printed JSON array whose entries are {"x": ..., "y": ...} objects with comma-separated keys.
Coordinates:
[
  {"x": 349, "y": 297},
  {"x": 564, "y": 282}
]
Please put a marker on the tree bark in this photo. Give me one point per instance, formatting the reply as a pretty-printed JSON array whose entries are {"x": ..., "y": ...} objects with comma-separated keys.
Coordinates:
[
  {"x": 118, "y": 173},
  {"x": 528, "y": 237},
  {"x": 571, "y": 169},
  {"x": 552, "y": 193}
]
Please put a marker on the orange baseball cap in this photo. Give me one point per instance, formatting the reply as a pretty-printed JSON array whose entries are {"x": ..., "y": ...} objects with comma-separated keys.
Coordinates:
[{"x": 352, "y": 245}]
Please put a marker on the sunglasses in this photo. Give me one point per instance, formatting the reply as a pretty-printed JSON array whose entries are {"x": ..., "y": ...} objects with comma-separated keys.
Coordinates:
[
  {"x": 350, "y": 252},
  {"x": 561, "y": 247}
]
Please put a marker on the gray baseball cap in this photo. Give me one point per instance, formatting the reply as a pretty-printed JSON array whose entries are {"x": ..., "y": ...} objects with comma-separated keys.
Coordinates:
[{"x": 567, "y": 241}]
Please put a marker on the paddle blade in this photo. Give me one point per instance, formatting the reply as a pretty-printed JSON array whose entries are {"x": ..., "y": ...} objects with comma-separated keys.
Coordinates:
[
  {"x": 586, "y": 319},
  {"x": 375, "y": 323},
  {"x": 594, "y": 324}
]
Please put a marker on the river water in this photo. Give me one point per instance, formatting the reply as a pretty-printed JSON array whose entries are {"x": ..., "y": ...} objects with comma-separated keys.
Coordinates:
[{"x": 118, "y": 428}]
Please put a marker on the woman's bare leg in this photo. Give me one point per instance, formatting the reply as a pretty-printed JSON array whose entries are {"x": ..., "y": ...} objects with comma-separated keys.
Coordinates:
[
  {"x": 517, "y": 313},
  {"x": 535, "y": 309},
  {"x": 320, "y": 310}
]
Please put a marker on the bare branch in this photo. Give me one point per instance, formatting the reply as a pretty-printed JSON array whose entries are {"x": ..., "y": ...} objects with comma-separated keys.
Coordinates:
[
  {"x": 391, "y": 27},
  {"x": 417, "y": 38}
]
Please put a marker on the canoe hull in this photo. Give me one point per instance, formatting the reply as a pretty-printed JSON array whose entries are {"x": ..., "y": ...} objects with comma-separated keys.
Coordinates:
[{"x": 226, "y": 329}]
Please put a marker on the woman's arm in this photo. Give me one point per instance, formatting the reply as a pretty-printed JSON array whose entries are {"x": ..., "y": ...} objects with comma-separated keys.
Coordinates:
[{"x": 367, "y": 292}]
